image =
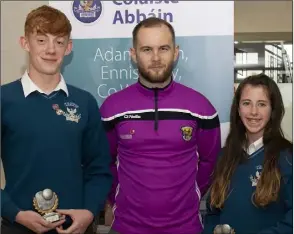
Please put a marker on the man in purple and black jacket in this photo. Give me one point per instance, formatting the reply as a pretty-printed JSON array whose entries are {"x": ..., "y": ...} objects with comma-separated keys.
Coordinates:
[{"x": 164, "y": 140}]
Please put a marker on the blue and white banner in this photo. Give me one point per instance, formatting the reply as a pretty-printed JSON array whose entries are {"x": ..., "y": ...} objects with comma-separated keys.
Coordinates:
[{"x": 102, "y": 36}]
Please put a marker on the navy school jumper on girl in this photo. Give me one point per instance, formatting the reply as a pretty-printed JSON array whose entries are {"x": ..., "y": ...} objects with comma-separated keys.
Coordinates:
[{"x": 239, "y": 211}]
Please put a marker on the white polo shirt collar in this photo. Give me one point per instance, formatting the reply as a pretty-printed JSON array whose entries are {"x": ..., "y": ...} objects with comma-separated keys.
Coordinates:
[
  {"x": 29, "y": 86},
  {"x": 255, "y": 146}
]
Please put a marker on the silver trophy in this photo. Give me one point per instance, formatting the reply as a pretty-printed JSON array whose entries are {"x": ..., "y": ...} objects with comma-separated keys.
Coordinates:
[
  {"x": 46, "y": 202},
  {"x": 223, "y": 229}
]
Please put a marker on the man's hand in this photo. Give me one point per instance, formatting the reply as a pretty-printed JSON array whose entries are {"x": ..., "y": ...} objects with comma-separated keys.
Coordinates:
[
  {"x": 81, "y": 221},
  {"x": 35, "y": 222}
]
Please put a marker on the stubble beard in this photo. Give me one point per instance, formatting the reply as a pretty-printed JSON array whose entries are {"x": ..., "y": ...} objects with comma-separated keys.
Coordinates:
[{"x": 158, "y": 78}]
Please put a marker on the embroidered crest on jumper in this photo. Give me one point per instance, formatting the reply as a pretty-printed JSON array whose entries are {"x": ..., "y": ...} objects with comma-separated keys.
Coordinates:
[
  {"x": 187, "y": 133},
  {"x": 254, "y": 179},
  {"x": 71, "y": 111}
]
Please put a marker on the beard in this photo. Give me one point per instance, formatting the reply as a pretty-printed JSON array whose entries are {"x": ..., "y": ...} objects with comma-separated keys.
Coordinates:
[{"x": 156, "y": 77}]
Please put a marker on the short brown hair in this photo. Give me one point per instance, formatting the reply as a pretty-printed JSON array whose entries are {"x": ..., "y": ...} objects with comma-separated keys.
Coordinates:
[
  {"x": 46, "y": 19},
  {"x": 152, "y": 22}
]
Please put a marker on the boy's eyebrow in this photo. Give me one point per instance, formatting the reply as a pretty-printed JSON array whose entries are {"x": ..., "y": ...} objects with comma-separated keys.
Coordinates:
[{"x": 41, "y": 34}]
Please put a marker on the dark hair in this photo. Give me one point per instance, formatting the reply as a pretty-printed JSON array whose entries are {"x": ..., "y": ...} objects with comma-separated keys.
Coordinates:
[
  {"x": 268, "y": 186},
  {"x": 152, "y": 22}
]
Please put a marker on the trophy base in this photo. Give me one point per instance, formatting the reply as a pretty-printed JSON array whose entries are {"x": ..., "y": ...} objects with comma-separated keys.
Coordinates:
[{"x": 52, "y": 217}]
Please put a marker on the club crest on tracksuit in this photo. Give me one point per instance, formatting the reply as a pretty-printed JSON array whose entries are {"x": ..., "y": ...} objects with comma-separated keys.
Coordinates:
[{"x": 187, "y": 133}]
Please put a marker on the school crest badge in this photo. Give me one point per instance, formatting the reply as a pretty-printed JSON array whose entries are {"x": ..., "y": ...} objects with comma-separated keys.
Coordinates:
[
  {"x": 70, "y": 114},
  {"x": 187, "y": 133},
  {"x": 254, "y": 179}
]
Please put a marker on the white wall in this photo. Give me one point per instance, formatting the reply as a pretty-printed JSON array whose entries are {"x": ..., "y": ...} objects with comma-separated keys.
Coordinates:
[
  {"x": 13, "y": 58},
  {"x": 263, "y": 16}
]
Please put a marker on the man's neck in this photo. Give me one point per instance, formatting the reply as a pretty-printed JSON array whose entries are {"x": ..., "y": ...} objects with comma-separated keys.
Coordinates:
[
  {"x": 47, "y": 83},
  {"x": 154, "y": 85}
]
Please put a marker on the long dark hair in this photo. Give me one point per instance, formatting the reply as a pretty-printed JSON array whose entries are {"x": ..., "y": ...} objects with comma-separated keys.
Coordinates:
[{"x": 268, "y": 186}]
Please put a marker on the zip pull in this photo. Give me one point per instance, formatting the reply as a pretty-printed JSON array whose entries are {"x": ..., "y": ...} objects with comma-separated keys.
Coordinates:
[{"x": 156, "y": 109}]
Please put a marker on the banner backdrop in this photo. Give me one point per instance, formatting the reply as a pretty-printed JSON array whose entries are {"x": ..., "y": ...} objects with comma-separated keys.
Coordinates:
[{"x": 102, "y": 30}]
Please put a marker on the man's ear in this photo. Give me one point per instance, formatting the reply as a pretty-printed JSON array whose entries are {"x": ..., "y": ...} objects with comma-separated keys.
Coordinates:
[
  {"x": 176, "y": 54},
  {"x": 133, "y": 55},
  {"x": 24, "y": 43}
]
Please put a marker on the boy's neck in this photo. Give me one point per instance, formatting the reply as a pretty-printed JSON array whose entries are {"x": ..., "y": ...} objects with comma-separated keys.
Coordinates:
[{"x": 47, "y": 83}]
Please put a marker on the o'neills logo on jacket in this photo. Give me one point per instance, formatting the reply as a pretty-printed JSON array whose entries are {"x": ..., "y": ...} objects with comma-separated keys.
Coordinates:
[{"x": 132, "y": 116}]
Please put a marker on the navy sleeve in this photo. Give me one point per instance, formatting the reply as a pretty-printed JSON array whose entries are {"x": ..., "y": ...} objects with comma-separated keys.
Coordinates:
[
  {"x": 285, "y": 226},
  {"x": 211, "y": 218},
  {"x": 96, "y": 161},
  {"x": 9, "y": 209}
]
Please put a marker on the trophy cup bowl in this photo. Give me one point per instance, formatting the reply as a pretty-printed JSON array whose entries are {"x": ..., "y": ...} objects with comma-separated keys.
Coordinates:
[
  {"x": 46, "y": 202},
  {"x": 223, "y": 229}
]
